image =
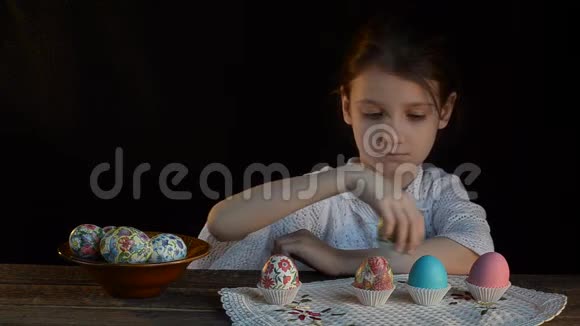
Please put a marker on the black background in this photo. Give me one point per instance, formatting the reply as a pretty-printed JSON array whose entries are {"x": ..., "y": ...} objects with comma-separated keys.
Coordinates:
[{"x": 238, "y": 83}]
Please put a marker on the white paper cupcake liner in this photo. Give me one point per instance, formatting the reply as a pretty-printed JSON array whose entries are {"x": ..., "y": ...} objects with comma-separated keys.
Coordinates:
[
  {"x": 486, "y": 295},
  {"x": 373, "y": 298},
  {"x": 279, "y": 296},
  {"x": 427, "y": 297}
]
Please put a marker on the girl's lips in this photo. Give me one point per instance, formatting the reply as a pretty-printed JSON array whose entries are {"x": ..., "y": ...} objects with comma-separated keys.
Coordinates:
[{"x": 397, "y": 157}]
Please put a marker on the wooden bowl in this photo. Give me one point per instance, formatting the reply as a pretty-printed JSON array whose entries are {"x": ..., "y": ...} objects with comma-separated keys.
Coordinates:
[{"x": 138, "y": 280}]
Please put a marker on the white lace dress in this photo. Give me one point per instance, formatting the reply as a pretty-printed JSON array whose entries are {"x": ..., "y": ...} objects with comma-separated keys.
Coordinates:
[{"x": 346, "y": 222}]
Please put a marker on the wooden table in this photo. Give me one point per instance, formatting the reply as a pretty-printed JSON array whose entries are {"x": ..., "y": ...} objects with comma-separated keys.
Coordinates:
[{"x": 65, "y": 295}]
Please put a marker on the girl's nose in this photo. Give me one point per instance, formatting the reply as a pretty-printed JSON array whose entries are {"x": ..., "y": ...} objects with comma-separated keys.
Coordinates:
[
  {"x": 389, "y": 140},
  {"x": 397, "y": 128}
]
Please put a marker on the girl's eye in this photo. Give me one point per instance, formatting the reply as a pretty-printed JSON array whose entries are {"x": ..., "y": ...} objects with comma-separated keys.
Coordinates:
[
  {"x": 376, "y": 115},
  {"x": 416, "y": 117}
]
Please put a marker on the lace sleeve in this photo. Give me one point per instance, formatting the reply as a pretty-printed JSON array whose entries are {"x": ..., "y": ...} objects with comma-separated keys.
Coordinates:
[
  {"x": 217, "y": 249},
  {"x": 308, "y": 218},
  {"x": 457, "y": 218},
  {"x": 311, "y": 217},
  {"x": 255, "y": 248}
]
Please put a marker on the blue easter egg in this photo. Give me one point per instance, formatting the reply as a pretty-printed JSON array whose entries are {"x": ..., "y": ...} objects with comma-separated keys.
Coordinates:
[
  {"x": 428, "y": 272},
  {"x": 167, "y": 247}
]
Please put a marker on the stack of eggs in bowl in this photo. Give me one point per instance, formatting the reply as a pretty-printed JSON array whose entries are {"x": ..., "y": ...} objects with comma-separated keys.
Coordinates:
[
  {"x": 125, "y": 245},
  {"x": 131, "y": 263}
]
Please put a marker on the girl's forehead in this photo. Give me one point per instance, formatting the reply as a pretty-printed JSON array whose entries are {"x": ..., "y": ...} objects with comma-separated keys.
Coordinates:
[{"x": 380, "y": 86}]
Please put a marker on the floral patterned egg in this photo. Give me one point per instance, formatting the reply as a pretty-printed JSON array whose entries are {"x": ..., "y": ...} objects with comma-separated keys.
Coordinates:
[
  {"x": 126, "y": 245},
  {"x": 84, "y": 241},
  {"x": 167, "y": 247},
  {"x": 374, "y": 273},
  {"x": 108, "y": 228},
  {"x": 279, "y": 272}
]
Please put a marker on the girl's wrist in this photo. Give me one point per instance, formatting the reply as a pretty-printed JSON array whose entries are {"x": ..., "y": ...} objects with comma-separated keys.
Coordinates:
[
  {"x": 339, "y": 262},
  {"x": 348, "y": 176}
]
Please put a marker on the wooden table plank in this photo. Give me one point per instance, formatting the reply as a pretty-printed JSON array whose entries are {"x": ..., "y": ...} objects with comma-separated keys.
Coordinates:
[
  {"x": 43, "y": 274},
  {"x": 193, "y": 299},
  {"x": 57, "y": 315},
  {"x": 42, "y": 294}
]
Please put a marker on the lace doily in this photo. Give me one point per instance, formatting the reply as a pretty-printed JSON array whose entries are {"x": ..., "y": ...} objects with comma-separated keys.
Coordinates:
[{"x": 334, "y": 303}]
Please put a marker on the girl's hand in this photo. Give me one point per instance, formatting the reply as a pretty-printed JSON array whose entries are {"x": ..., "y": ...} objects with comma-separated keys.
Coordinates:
[
  {"x": 306, "y": 247},
  {"x": 403, "y": 222},
  {"x": 399, "y": 217}
]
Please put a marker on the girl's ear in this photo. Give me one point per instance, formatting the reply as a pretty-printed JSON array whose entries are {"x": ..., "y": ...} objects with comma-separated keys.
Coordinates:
[
  {"x": 446, "y": 110},
  {"x": 345, "y": 106}
]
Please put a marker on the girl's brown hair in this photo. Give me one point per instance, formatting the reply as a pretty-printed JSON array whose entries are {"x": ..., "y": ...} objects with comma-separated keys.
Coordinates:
[{"x": 412, "y": 48}]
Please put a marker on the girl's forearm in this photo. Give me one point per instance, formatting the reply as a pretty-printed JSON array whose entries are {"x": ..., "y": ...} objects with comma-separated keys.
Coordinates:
[
  {"x": 241, "y": 214},
  {"x": 456, "y": 258}
]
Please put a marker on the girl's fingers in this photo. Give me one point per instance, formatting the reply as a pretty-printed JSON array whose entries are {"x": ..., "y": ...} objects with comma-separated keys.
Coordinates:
[
  {"x": 416, "y": 223},
  {"x": 289, "y": 248},
  {"x": 420, "y": 226},
  {"x": 285, "y": 248},
  {"x": 291, "y": 243},
  {"x": 402, "y": 228},
  {"x": 277, "y": 247},
  {"x": 281, "y": 244},
  {"x": 389, "y": 222},
  {"x": 414, "y": 235}
]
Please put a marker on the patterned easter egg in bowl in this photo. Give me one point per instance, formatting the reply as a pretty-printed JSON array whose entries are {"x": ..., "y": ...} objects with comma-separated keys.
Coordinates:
[
  {"x": 167, "y": 247},
  {"x": 108, "y": 228},
  {"x": 84, "y": 241},
  {"x": 126, "y": 245},
  {"x": 123, "y": 276}
]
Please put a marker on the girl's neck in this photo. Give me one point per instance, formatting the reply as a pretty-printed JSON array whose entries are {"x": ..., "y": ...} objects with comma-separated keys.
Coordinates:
[{"x": 404, "y": 174}]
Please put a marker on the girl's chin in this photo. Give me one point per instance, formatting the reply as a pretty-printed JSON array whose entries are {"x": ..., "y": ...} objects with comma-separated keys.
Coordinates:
[
  {"x": 392, "y": 163},
  {"x": 389, "y": 167}
]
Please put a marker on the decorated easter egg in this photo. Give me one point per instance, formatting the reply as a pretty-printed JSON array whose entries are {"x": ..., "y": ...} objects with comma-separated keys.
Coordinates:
[
  {"x": 84, "y": 241},
  {"x": 167, "y": 247},
  {"x": 108, "y": 228},
  {"x": 428, "y": 272},
  {"x": 126, "y": 245},
  {"x": 490, "y": 270},
  {"x": 374, "y": 273},
  {"x": 279, "y": 272}
]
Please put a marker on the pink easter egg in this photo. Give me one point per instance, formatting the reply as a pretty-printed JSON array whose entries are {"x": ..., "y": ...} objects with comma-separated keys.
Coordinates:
[{"x": 490, "y": 270}]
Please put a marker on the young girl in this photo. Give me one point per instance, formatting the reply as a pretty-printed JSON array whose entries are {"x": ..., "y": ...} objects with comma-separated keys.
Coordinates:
[{"x": 399, "y": 82}]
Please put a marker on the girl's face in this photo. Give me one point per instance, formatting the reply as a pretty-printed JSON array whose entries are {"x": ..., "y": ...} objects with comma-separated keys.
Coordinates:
[{"x": 394, "y": 120}]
